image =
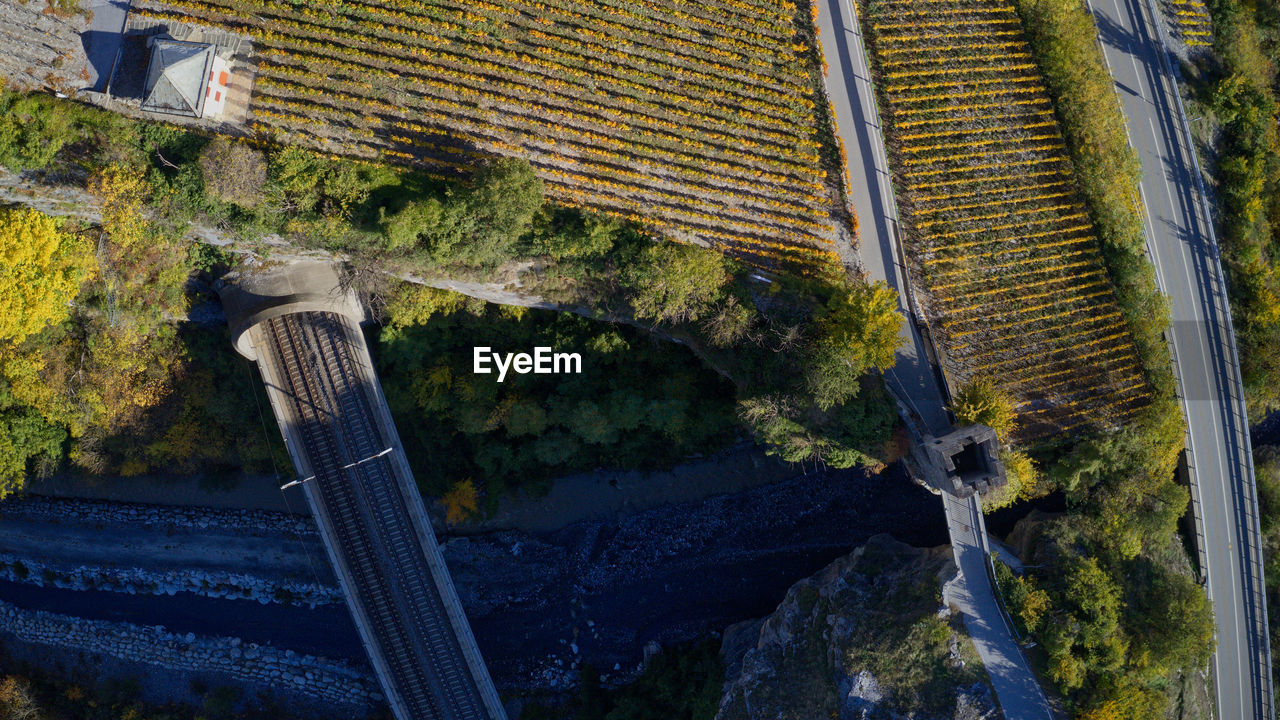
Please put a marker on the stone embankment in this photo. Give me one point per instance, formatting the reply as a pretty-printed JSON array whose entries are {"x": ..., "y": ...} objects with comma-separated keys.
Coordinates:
[
  {"x": 330, "y": 682},
  {"x": 164, "y": 529},
  {"x": 137, "y": 581},
  {"x": 245, "y": 522}
]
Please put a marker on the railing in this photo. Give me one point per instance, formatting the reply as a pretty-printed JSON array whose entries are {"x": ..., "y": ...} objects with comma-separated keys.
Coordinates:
[{"x": 1260, "y": 642}]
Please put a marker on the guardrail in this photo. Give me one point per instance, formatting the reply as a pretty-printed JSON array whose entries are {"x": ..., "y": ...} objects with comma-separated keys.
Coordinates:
[
  {"x": 918, "y": 318},
  {"x": 1261, "y": 642}
]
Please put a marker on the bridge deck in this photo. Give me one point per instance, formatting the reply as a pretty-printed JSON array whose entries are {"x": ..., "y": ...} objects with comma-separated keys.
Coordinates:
[{"x": 335, "y": 422}]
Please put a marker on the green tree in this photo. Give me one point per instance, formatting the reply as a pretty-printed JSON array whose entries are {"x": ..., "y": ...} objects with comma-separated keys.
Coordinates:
[
  {"x": 32, "y": 130},
  {"x": 674, "y": 283},
  {"x": 477, "y": 226},
  {"x": 41, "y": 270},
  {"x": 25, "y": 436},
  {"x": 1082, "y": 632},
  {"x": 1169, "y": 618}
]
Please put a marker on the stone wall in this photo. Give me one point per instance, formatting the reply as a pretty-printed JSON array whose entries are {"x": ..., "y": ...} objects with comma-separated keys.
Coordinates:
[
  {"x": 139, "y": 581},
  {"x": 317, "y": 679},
  {"x": 240, "y": 522}
]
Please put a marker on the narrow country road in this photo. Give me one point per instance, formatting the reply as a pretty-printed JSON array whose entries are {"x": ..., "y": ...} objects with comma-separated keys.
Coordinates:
[
  {"x": 1182, "y": 244},
  {"x": 913, "y": 378}
]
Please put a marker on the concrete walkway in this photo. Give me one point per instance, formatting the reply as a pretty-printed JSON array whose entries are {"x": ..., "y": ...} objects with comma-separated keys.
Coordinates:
[{"x": 913, "y": 379}]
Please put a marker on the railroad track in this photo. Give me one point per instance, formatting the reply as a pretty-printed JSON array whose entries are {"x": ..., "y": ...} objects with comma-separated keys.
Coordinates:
[{"x": 375, "y": 533}]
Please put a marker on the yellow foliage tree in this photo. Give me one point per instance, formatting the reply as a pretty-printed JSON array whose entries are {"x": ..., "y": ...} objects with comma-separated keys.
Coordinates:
[
  {"x": 17, "y": 702},
  {"x": 1022, "y": 475},
  {"x": 981, "y": 401},
  {"x": 41, "y": 270},
  {"x": 460, "y": 502},
  {"x": 120, "y": 192}
]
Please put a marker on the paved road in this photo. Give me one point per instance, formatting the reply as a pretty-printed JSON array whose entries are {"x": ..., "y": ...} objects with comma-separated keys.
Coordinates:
[
  {"x": 1183, "y": 247},
  {"x": 102, "y": 40},
  {"x": 913, "y": 378}
]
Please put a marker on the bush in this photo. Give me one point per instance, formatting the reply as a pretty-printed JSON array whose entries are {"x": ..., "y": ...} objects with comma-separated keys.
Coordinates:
[{"x": 233, "y": 172}]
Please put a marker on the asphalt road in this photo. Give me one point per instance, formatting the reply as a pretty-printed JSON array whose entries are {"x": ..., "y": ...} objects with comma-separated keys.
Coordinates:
[
  {"x": 913, "y": 378},
  {"x": 1183, "y": 248}
]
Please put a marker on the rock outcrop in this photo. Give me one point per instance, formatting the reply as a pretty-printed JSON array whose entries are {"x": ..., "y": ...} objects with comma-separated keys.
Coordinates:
[{"x": 866, "y": 638}]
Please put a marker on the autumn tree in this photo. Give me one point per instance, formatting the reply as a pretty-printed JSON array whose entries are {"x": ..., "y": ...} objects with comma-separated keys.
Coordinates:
[
  {"x": 41, "y": 270},
  {"x": 859, "y": 330},
  {"x": 460, "y": 502},
  {"x": 17, "y": 701},
  {"x": 233, "y": 172},
  {"x": 981, "y": 401}
]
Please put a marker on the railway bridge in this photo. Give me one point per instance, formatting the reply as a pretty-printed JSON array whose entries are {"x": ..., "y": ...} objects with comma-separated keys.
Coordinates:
[{"x": 304, "y": 334}]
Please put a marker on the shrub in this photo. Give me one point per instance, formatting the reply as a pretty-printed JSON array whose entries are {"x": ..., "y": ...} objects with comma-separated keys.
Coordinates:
[{"x": 233, "y": 172}]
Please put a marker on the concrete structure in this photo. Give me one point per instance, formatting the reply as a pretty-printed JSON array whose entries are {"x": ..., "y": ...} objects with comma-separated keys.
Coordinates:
[
  {"x": 915, "y": 380},
  {"x": 304, "y": 333},
  {"x": 1182, "y": 245},
  {"x": 178, "y": 77},
  {"x": 255, "y": 296},
  {"x": 961, "y": 462},
  {"x": 190, "y": 74}
]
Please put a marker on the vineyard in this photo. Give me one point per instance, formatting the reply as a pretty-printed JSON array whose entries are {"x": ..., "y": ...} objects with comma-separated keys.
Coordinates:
[
  {"x": 1001, "y": 247},
  {"x": 1190, "y": 21},
  {"x": 698, "y": 119}
]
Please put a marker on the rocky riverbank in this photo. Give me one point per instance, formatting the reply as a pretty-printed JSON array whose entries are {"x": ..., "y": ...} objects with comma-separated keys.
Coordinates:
[
  {"x": 596, "y": 591},
  {"x": 304, "y": 679}
]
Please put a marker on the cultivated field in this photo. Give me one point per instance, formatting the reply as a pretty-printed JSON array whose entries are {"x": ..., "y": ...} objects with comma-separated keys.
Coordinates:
[
  {"x": 1000, "y": 244},
  {"x": 1190, "y": 21},
  {"x": 41, "y": 49},
  {"x": 697, "y": 117}
]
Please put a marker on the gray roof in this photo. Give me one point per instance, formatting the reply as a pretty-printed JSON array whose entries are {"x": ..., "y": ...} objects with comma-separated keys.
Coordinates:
[{"x": 177, "y": 77}]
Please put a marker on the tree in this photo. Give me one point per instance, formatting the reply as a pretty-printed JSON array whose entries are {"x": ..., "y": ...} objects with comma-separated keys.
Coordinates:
[
  {"x": 41, "y": 270},
  {"x": 673, "y": 283},
  {"x": 504, "y": 196},
  {"x": 233, "y": 172},
  {"x": 25, "y": 436},
  {"x": 1082, "y": 632},
  {"x": 32, "y": 130},
  {"x": 460, "y": 502},
  {"x": 1021, "y": 477},
  {"x": 474, "y": 227},
  {"x": 981, "y": 401},
  {"x": 861, "y": 320},
  {"x": 17, "y": 702},
  {"x": 1169, "y": 617}
]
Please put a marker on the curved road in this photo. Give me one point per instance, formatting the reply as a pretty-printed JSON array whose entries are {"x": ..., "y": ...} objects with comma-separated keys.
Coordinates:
[{"x": 1181, "y": 242}]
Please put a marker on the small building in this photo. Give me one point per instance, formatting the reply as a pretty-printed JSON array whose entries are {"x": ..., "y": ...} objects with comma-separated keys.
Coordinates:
[
  {"x": 185, "y": 78},
  {"x": 189, "y": 74},
  {"x": 962, "y": 462}
]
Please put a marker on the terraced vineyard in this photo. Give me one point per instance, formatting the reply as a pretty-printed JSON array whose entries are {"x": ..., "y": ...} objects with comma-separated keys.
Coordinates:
[
  {"x": 1190, "y": 21},
  {"x": 698, "y": 118},
  {"x": 999, "y": 242}
]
